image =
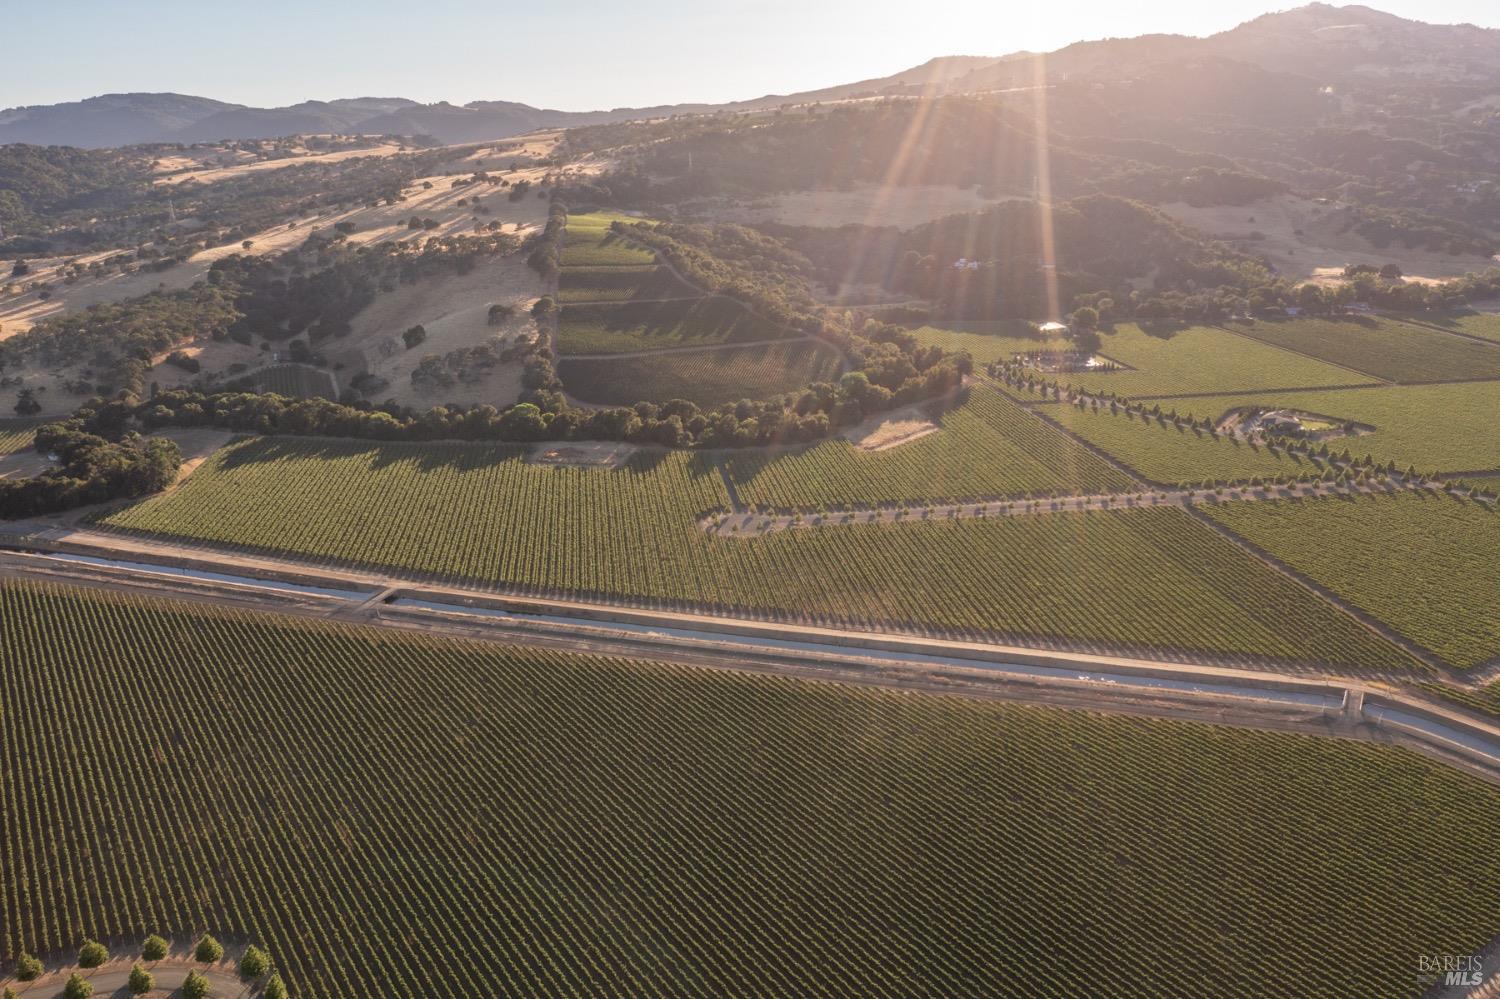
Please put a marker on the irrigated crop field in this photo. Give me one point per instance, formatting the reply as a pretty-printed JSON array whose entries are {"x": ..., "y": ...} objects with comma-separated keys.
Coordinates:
[
  {"x": 1169, "y": 455},
  {"x": 707, "y": 377},
  {"x": 394, "y": 815},
  {"x": 620, "y": 284},
  {"x": 588, "y": 242},
  {"x": 1386, "y": 348},
  {"x": 988, "y": 446},
  {"x": 628, "y": 327},
  {"x": 1425, "y": 564},
  {"x": 1441, "y": 427},
  {"x": 1145, "y": 579},
  {"x": 1170, "y": 359}
]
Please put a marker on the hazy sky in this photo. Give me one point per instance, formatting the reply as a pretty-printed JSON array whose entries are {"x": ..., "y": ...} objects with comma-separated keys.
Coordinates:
[{"x": 570, "y": 54}]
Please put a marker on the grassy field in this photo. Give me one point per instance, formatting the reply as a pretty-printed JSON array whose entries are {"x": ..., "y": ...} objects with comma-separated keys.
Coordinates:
[
  {"x": 620, "y": 284},
  {"x": 1480, "y": 324},
  {"x": 1174, "y": 360},
  {"x": 988, "y": 446},
  {"x": 398, "y": 815},
  {"x": 1443, "y": 427},
  {"x": 297, "y": 381},
  {"x": 1424, "y": 564},
  {"x": 1382, "y": 347},
  {"x": 708, "y": 377},
  {"x": 1150, "y": 579},
  {"x": 1169, "y": 455},
  {"x": 625, "y": 328},
  {"x": 987, "y": 342},
  {"x": 588, "y": 242}
]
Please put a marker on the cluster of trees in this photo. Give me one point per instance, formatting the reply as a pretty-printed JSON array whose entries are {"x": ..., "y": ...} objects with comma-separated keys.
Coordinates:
[
  {"x": 253, "y": 965},
  {"x": 1099, "y": 243},
  {"x": 737, "y": 262},
  {"x": 120, "y": 339},
  {"x": 546, "y": 253},
  {"x": 90, "y": 468},
  {"x": 466, "y": 365},
  {"x": 893, "y": 370}
]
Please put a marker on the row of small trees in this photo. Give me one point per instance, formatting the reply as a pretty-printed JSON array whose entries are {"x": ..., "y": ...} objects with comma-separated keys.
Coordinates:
[{"x": 253, "y": 965}]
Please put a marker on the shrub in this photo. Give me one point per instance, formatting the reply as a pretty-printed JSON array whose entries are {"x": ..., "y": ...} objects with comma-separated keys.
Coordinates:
[
  {"x": 254, "y": 963},
  {"x": 195, "y": 986},
  {"x": 154, "y": 948},
  {"x": 28, "y": 968},
  {"x": 92, "y": 954},
  {"x": 275, "y": 988},
  {"x": 414, "y": 336},
  {"x": 78, "y": 987},
  {"x": 208, "y": 950},
  {"x": 141, "y": 980}
]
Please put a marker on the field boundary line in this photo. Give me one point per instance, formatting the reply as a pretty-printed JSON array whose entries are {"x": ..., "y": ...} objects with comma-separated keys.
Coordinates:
[
  {"x": 801, "y": 337},
  {"x": 1360, "y": 616},
  {"x": 1439, "y": 329},
  {"x": 1302, "y": 353}
]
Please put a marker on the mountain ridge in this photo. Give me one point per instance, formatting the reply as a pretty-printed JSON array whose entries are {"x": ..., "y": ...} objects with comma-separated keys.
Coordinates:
[{"x": 1336, "y": 46}]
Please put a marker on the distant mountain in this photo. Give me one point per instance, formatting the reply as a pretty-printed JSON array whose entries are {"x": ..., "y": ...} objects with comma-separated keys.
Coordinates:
[
  {"x": 1286, "y": 56},
  {"x": 110, "y": 120}
]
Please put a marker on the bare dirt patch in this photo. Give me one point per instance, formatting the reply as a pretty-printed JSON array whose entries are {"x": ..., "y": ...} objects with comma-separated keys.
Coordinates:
[
  {"x": 892, "y": 428},
  {"x": 197, "y": 444},
  {"x": 209, "y": 176},
  {"x": 1303, "y": 241},
  {"x": 865, "y": 204},
  {"x": 582, "y": 454},
  {"x": 893, "y": 433}
]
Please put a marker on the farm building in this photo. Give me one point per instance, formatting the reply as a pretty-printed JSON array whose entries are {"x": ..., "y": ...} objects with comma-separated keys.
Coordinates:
[{"x": 1053, "y": 329}]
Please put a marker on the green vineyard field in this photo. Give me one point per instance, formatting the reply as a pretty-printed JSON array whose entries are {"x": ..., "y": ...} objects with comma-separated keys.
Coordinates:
[
  {"x": 1480, "y": 324},
  {"x": 1423, "y": 563},
  {"x": 1387, "y": 348},
  {"x": 588, "y": 242},
  {"x": 707, "y": 377},
  {"x": 620, "y": 284},
  {"x": 1175, "y": 360},
  {"x": 1438, "y": 427},
  {"x": 1144, "y": 580},
  {"x": 297, "y": 381},
  {"x": 1167, "y": 454},
  {"x": 397, "y": 815},
  {"x": 987, "y": 446},
  {"x": 628, "y": 327}
]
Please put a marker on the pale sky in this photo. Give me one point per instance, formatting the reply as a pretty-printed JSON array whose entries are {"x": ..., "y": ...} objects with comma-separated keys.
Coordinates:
[{"x": 569, "y": 54}]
